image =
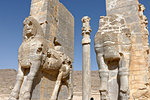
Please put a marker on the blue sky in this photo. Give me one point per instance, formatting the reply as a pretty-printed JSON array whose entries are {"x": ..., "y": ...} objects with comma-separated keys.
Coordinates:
[{"x": 13, "y": 12}]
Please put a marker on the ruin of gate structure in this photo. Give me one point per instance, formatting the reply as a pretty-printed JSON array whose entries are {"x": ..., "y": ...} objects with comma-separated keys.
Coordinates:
[
  {"x": 137, "y": 22},
  {"x": 58, "y": 26}
]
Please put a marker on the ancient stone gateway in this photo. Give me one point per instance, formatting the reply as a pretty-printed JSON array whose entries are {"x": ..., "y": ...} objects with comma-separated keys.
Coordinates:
[
  {"x": 48, "y": 43},
  {"x": 46, "y": 54},
  {"x": 138, "y": 66},
  {"x": 35, "y": 54},
  {"x": 112, "y": 46},
  {"x": 132, "y": 12}
]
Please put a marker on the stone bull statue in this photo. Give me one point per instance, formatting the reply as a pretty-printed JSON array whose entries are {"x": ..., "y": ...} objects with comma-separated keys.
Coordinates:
[
  {"x": 112, "y": 47},
  {"x": 35, "y": 54}
]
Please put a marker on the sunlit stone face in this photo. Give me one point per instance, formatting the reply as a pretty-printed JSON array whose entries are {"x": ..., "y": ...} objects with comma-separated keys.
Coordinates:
[{"x": 28, "y": 29}]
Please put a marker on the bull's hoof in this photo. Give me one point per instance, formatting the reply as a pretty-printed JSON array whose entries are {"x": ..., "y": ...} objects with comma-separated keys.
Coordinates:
[
  {"x": 13, "y": 95},
  {"x": 70, "y": 97},
  {"x": 12, "y": 98},
  {"x": 26, "y": 96}
]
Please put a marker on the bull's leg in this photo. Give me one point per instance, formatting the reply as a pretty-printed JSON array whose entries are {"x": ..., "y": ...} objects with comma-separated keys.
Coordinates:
[
  {"x": 104, "y": 76},
  {"x": 26, "y": 92},
  {"x": 103, "y": 84},
  {"x": 15, "y": 92},
  {"x": 70, "y": 85},
  {"x": 124, "y": 78},
  {"x": 57, "y": 86},
  {"x": 70, "y": 89}
]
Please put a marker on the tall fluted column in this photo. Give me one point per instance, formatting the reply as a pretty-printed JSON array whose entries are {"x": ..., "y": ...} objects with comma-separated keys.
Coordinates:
[{"x": 86, "y": 60}]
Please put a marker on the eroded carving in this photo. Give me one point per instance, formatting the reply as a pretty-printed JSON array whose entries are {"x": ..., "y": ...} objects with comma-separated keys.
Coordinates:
[
  {"x": 112, "y": 47},
  {"x": 143, "y": 18},
  {"x": 35, "y": 53},
  {"x": 144, "y": 91}
]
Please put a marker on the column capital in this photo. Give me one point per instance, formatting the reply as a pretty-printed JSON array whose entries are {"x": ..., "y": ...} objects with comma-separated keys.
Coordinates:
[{"x": 86, "y": 29}]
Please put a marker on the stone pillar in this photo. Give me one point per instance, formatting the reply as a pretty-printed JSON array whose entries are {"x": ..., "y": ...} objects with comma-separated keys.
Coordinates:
[
  {"x": 58, "y": 26},
  {"x": 86, "y": 72},
  {"x": 132, "y": 11}
]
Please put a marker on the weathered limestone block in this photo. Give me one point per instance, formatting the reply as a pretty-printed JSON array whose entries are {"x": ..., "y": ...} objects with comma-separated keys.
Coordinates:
[
  {"x": 65, "y": 32},
  {"x": 112, "y": 47},
  {"x": 58, "y": 27},
  {"x": 132, "y": 11},
  {"x": 57, "y": 23},
  {"x": 142, "y": 92},
  {"x": 37, "y": 59}
]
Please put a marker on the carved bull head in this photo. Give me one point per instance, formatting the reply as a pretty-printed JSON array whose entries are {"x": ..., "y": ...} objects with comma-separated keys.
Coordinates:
[{"x": 31, "y": 28}]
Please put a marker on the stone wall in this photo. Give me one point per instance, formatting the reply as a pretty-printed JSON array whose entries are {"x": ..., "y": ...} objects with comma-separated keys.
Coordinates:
[
  {"x": 58, "y": 26},
  {"x": 57, "y": 23},
  {"x": 112, "y": 41},
  {"x": 136, "y": 21},
  {"x": 77, "y": 81}
]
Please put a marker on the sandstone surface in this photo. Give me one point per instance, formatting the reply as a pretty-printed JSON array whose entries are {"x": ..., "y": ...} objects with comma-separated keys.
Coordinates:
[{"x": 132, "y": 11}]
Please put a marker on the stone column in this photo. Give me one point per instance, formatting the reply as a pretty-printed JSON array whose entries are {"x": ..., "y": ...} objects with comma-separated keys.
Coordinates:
[{"x": 86, "y": 62}]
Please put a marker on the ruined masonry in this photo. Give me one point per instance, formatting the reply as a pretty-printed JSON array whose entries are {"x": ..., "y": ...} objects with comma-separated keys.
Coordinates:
[
  {"x": 46, "y": 54},
  {"x": 112, "y": 47},
  {"x": 58, "y": 25},
  {"x": 136, "y": 21},
  {"x": 45, "y": 57}
]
